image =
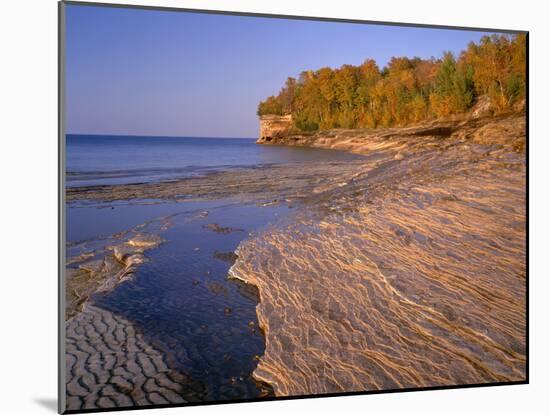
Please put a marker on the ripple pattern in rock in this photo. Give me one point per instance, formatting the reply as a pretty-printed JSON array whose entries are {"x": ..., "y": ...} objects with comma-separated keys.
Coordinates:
[
  {"x": 109, "y": 365},
  {"x": 416, "y": 277}
]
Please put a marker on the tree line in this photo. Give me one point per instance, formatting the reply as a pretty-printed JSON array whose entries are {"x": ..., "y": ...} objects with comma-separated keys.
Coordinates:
[{"x": 407, "y": 90}]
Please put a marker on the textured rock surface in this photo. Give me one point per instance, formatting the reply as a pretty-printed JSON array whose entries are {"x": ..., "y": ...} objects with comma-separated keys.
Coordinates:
[
  {"x": 109, "y": 365},
  {"x": 482, "y": 107},
  {"x": 405, "y": 268},
  {"x": 270, "y": 184},
  {"x": 410, "y": 273},
  {"x": 87, "y": 276},
  {"x": 419, "y": 137},
  {"x": 273, "y": 126}
]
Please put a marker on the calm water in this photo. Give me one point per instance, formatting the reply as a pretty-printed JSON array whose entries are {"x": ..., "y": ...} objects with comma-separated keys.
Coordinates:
[
  {"x": 100, "y": 160},
  {"x": 184, "y": 304},
  {"x": 181, "y": 299}
]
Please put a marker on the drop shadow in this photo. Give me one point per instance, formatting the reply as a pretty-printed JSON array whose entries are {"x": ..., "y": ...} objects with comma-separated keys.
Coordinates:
[{"x": 48, "y": 403}]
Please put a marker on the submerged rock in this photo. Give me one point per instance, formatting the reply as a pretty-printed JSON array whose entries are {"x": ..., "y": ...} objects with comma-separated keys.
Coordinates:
[
  {"x": 229, "y": 257},
  {"x": 103, "y": 274},
  {"x": 222, "y": 229},
  {"x": 145, "y": 241},
  {"x": 136, "y": 374}
]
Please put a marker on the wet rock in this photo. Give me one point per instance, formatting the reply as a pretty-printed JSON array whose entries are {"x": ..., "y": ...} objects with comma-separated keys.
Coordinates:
[
  {"x": 229, "y": 257},
  {"x": 145, "y": 241},
  {"x": 92, "y": 266},
  {"x": 133, "y": 378},
  {"x": 105, "y": 273},
  {"x": 121, "y": 252},
  {"x": 217, "y": 288},
  {"x": 221, "y": 229}
]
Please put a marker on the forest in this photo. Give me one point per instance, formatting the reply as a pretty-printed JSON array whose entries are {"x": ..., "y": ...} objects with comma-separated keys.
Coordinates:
[{"x": 407, "y": 90}]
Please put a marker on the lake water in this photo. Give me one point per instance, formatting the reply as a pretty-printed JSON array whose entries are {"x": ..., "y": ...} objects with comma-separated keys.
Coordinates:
[
  {"x": 181, "y": 299},
  {"x": 184, "y": 304},
  {"x": 103, "y": 159}
]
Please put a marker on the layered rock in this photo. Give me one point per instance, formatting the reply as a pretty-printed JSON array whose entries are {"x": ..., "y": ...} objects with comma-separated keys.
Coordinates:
[
  {"x": 87, "y": 275},
  {"x": 421, "y": 136},
  {"x": 274, "y": 126},
  {"x": 411, "y": 273}
]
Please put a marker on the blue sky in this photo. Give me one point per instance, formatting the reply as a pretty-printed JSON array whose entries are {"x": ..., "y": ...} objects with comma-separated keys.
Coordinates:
[{"x": 150, "y": 72}]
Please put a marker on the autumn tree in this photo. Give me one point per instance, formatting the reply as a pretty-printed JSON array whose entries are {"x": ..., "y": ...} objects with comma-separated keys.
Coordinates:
[
  {"x": 498, "y": 68},
  {"x": 407, "y": 90},
  {"x": 454, "y": 89},
  {"x": 272, "y": 105}
]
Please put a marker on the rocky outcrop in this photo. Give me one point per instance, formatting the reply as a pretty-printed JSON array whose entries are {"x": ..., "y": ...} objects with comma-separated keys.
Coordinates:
[
  {"x": 274, "y": 126},
  {"x": 508, "y": 130},
  {"x": 411, "y": 273},
  {"x": 483, "y": 107},
  {"x": 88, "y": 276}
]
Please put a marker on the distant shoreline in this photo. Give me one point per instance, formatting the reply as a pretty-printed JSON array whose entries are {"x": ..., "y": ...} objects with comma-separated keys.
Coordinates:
[
  {"x": 158, "y": 136},
  {"x": 110, "y": 160}
]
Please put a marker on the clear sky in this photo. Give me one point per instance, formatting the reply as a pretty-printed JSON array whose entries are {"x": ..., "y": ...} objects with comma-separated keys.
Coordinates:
[{"x": 150, "y": 72}]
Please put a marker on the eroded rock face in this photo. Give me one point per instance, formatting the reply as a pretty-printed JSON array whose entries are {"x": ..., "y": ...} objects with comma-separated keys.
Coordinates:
[
  {"x": 274, "y": 126},
  {"x": 508, "y": 130},
  {"x": 415, "y": 277}
]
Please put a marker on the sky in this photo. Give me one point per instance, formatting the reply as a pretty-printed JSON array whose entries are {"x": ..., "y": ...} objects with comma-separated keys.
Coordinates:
[{"x": 165, "y": 73}]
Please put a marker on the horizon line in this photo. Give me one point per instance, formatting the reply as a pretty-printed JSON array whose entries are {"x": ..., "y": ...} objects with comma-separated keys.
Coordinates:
[{"x": 159, "y": 136}]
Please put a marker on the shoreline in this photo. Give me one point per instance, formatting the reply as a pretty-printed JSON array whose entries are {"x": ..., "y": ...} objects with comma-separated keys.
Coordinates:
[
  {"x": 437, "y": 242},
  {"x": 365, "y": 141},
  {"x": 254, "y": 184},
  {"x": 131, "y": 304},
  {"x": 339, "y": 214}
]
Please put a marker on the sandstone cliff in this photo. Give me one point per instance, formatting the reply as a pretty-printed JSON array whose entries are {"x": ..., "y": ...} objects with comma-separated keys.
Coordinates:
[
  {"x": 508, "y": 129},
  {"x": 274, "y": 126}
]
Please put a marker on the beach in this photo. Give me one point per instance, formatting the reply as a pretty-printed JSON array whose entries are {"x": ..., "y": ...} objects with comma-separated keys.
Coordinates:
[{"x": 401, "y": 267}]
